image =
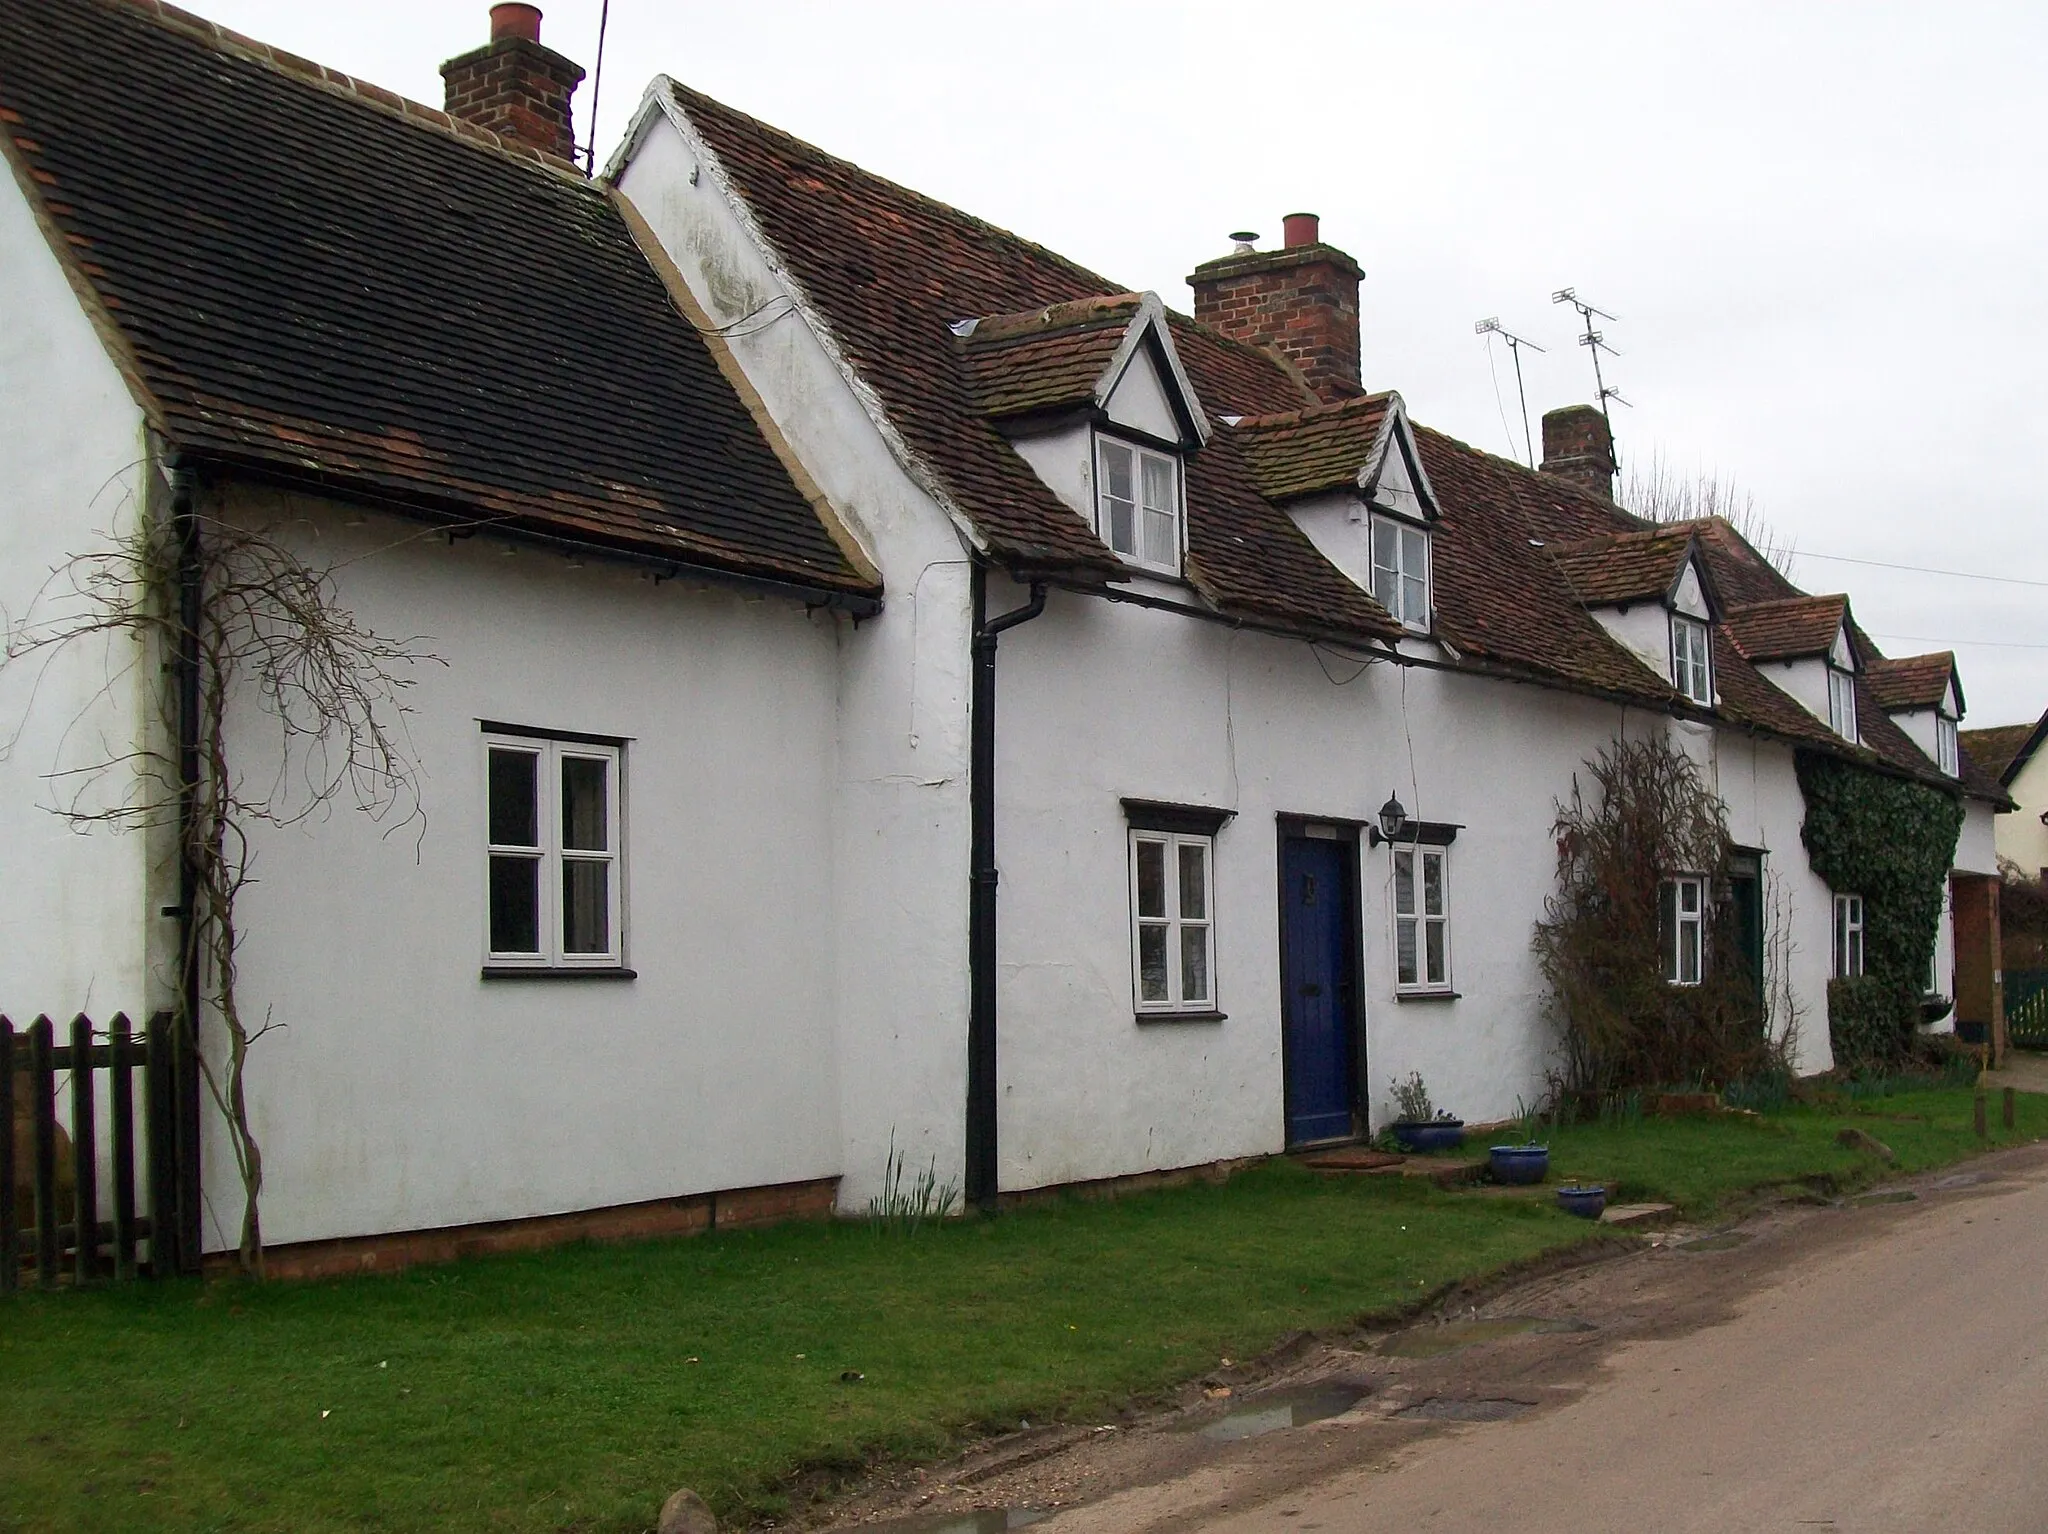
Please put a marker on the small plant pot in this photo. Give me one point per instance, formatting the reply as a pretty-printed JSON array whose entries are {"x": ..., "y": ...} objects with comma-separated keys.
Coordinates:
[
  {"x": 1518, "y": 1165},
  {"x": 1586, "y": 1203},
  {"x": 1429, "y": 1135}
]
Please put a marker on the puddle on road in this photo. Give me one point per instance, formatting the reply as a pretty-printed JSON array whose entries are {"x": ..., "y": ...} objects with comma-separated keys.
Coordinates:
[
  {"x": 1451, "y": 1409},
  {"x": 982, "y": 1520},
  {"x": 1435, "y": 1341},
  {"x": 1727, "y": 1241},
  {"x": 1885, "y": 1196},
  {"x": 1281, "y": 1409},
  {"x": 1958, "y": 1180}
]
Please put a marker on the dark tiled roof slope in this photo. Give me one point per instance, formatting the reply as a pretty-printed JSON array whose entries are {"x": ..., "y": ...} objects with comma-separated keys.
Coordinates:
[
  {"x": 1313, "y": 451},
  {"x": 1625, "y": 567},
  {"x": 316, "y": 281},
  {"x": 1045, "y": 359},
  {"x": 1788, "y": 627},
  {"x": 1913, "y": 681}
]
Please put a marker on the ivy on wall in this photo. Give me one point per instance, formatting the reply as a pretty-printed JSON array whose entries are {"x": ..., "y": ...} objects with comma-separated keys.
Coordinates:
[{"x": 1892, "y": 842}]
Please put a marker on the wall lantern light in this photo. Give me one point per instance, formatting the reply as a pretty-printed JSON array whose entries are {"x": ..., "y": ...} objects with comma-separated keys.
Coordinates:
[{"x": 1393, "y": 822}]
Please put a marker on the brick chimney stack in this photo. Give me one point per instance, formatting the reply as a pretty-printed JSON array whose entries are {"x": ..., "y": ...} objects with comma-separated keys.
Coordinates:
[
  {"x": 1579, "y": 444},
  {"x": 514, "y": 86},
  {"x": 1300, "y": 301}
]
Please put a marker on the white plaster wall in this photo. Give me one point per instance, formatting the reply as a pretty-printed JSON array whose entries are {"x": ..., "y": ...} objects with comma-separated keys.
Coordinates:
[
  {"x": 1805, "y": 682},
  {"x": 1065, "y": 460},
  {"x": 1099, "y": 702},
  {"x": 1339, "y": 528},
  {"x": 1138, "y": 400},
  {"x": 1977, "y": 846},
  {"x": 77, "y": 919},
  {"x": 1690, "y": 598},
  {"x": 2020, "y": 835},
  {"x": 1918, "y": 725},
  {"x": 403, "y": 1090},
  {"x": 899, "y": 831},
  {"x": 1644, "y": 628}
]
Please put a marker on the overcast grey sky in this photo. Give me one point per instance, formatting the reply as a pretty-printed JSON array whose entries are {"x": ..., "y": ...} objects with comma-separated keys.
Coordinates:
[{"x": 1822, "y": 227}]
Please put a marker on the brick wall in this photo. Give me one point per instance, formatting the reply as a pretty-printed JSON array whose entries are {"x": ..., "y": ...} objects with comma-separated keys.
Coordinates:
[{"x": 518, "y": 88}]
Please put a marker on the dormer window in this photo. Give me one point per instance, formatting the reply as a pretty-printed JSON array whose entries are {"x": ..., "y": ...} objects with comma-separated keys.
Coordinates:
[
  {"x": 1400, "y": 571},
  {"x": 1691, "y": 666},
  {"x": 1946, "y": 755},
  {"x": 1137, "y": 504},
  {"x": 1842, "y": 703}
]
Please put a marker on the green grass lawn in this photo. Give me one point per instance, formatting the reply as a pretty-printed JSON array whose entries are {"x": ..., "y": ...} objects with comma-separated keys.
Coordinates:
[{"x": 574, "y": 1389}]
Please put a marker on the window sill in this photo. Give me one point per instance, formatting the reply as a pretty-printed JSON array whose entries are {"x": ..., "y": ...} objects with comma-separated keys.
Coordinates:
[
  {"x": 1182, "y": 1017},
  {"x": 558, "y": 972},
  {"x": 1427, "y": 995}
]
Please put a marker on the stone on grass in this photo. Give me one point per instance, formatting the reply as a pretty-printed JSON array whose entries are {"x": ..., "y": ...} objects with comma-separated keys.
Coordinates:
[
  {"x": 1857, "y": 1140},
  {"x": 685, "y": 1513}
]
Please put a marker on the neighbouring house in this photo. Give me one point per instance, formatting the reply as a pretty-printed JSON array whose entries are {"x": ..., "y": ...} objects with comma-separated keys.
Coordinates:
[
  {"x": 2013, "y": 754},
  {"x": 730, "y": 493}
]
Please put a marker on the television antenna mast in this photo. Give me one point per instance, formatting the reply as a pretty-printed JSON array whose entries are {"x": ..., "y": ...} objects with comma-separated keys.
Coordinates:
[
  {"x": 1596, "y": 343},
  {"x": 1493, "y": 327}
]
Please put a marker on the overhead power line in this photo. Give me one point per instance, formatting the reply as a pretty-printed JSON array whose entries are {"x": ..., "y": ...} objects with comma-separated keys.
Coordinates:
[
  {"x": 1975, "y": 644},
  {"x": 1881, "y": 564}
]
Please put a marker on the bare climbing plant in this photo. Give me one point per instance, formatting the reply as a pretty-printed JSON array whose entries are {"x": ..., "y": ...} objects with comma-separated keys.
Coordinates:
[
  {"x": 290, "y": 706},
  {"x": 1622, "y": 1024}
]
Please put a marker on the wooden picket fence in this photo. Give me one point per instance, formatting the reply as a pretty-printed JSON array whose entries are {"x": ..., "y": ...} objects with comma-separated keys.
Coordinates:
[
  {"x": 38, "y": 1232},
  {"x": 2026, "y": 1008}
]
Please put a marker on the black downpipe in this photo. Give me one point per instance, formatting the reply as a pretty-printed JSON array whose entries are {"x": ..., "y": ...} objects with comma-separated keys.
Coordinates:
[
  {"x": 185, "y": 1071},
  {"x": 981, "y": 909}
]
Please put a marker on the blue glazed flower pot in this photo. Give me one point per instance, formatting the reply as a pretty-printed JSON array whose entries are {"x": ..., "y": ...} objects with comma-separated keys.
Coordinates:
[
  {"x": 1519, "y": 1164},
  {"x": 1435, "y": 1135},
  {"x": 1586, "y": 1203}
]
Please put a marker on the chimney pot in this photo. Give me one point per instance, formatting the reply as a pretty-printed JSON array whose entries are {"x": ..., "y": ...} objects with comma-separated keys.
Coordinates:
[
  {"x": 515, "y": 21},
  {"x": 1301, "y": 229}
]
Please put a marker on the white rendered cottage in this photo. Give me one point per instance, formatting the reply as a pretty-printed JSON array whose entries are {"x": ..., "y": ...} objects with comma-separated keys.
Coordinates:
[{"x": 729, "y": 495}]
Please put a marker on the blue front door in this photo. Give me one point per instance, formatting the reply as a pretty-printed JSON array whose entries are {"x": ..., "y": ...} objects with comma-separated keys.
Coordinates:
[{"x": 1318, "y": 945}]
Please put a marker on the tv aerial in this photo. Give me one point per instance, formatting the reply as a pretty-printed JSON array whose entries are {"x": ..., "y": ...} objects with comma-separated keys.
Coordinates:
[
  {"x": 1595, "y": 342},
  {"x": 1493, "y": 327}
]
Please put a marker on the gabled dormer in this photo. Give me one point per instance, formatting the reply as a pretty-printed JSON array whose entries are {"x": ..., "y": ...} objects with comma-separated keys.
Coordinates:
[
  {"x": 1802, "y": 645},
  {"x": 1352, "y": 478},
  {"x": 1651, "y": 590},
  {"x": 1923, "y": 695},
  {"x": 1093, "y": 396}
]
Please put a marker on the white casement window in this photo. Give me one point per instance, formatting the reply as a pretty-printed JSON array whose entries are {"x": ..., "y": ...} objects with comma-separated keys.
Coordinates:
[
  {"x": 1173, "y": 925},
  {"x": 1400, "y": 571},
  {"x": 553, "y": 874},
  {"x": 1682, "y": 927},
  {"x": 1947, "y": 756},
  {"x": 1842, "y": 703},
  {"x": 1848, "y": 936},
  {"x": 1691, "y": 668},
  {"x": 1422, "y": 919},
  {"x": 1137, "y": 504}
]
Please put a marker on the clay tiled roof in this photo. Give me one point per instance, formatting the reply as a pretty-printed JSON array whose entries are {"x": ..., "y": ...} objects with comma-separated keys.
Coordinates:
[
  {"x": 315, "y": 281},
  {"x": 2003, "y": 749},
  {"x": 1310, "y": 451},
  {"x": 891, "y": 271},
  {"x": 1045, "y": 359},
  {"x": 1914, "y": 681},
  {"x": 1788, "y": 627},
  {"x": 1626, "y": 567}
]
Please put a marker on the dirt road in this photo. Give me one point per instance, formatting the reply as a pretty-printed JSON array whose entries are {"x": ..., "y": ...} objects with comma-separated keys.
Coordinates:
[{"x": 1877, "y": 1365}]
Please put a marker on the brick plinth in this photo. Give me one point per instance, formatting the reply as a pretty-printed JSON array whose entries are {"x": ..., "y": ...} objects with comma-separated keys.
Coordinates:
[
  {"x": 728, "y": 1209},
  {"x": 1133, "y": 1182}
]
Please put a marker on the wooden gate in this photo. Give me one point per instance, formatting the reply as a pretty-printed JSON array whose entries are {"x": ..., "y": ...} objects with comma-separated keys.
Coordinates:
[
  {"x": 57, "y": 1230},
  {"x": 2026, "y": 1008}
]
